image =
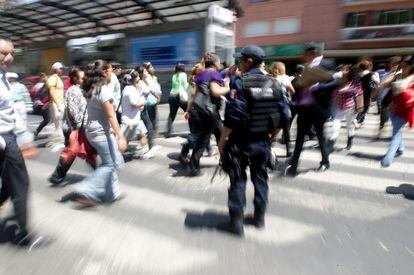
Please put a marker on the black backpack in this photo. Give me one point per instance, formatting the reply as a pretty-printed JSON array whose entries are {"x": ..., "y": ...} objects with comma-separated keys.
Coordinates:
[{"x": 43, "y": 92}]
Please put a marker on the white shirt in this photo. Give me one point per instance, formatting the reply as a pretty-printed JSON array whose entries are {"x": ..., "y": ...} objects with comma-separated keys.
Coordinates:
[
  {"x": 8, "y": 115},
  {"x": 131, "y": 115}
]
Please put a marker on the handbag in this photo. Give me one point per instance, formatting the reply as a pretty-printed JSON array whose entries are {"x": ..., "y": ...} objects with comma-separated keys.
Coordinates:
[
  {"x": 79, "y": 146},
  {"x": 202, "y": 100}
]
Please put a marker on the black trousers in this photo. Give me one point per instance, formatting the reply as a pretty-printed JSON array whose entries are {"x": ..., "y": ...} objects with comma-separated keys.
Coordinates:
[
  {"x": 308, "y": 117},
  {"x": 150, "y": 127},
  {"x": 153, "y": 115},
  {"x": 208, "y": 125},
  {"x": 256, "y": 155},
  {"x": 367, "y": 103},
  {"x": 174, "y": 102},
  {"x": 286, "y": 123},
  {"x": 14, "y": 179},
  {"x": 44, "y": 122}
]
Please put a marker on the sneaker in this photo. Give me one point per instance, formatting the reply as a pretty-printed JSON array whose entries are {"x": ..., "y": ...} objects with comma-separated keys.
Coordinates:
[
  {"x": 323, "y": 167},
  {"x": 290, "y": 172},
  {"x": 55, "y": 181},
  {"x": 148, "y": 155},
  {"x": 399, "y": 154}
]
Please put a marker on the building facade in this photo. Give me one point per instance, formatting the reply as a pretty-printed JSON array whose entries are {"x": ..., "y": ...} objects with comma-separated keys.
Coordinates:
[{"x": 343, "y": 28}]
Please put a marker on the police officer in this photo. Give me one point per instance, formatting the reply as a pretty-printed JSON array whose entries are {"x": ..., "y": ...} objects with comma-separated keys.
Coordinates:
[{"x": 252, "y": 120}]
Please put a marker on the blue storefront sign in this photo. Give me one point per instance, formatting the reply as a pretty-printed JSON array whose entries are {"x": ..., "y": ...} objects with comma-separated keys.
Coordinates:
[{"x": 165, "y": 51}]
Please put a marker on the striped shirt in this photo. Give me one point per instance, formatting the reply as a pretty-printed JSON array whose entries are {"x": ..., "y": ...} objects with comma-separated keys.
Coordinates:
[{"x": 345, "y": 95}]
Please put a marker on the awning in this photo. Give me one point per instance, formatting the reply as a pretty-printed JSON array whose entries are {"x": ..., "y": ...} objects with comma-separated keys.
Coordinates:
[{"x": 45, "y": 20}]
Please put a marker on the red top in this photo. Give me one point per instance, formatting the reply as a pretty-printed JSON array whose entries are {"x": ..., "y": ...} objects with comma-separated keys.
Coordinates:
[{"x": 404, "y": 105}]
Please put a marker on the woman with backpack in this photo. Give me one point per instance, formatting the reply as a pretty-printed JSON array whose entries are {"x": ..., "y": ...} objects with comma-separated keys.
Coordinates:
[
  {"x": 402, "y": 111},
  {"x": 278, "y": 71},
  {"x": 369, "y": 83},
  {"x": 210, "y": 84},
  {"x": 178, "y": 95}
]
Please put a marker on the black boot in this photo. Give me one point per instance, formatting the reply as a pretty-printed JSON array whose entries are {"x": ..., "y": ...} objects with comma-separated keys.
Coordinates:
[
  {"x": 236, "y": 224},
  {"x": 258, "y": 217},
  {"x": 331, "y": 146},
  {"x": 60, "y": 172},
  {"x": 349, "y": 143}
]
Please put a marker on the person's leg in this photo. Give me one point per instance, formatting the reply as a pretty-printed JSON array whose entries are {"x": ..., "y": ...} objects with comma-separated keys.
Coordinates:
[
  {"x": 303, "y": 126},
  {"x": 336, "y": 125},
  {"x": 15, "y": 180},
  {"x": 350, "y": 117},
  {"x": 259, "y": 156},
  {"x": 206, "y": 128},
  {"x": 113, "y": 190},
  {"x": 367, "y": 102},
  {"x": 318, "y": 123},
  {"x": 56, "y": 138},
  {"x": 396, "y": 140},
  {"x": 237, "y": 197},
  {"x": 95, "y": 186},
  {"x": 153, "y": 113},
  {"x": 286, "y": 136},
  {"x": 150, "y": 129},
  {"x": 174, "y": 105},
  {"x": 44, "y": 122}
]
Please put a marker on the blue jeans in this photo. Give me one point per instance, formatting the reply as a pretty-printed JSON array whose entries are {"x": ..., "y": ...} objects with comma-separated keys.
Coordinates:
[
  {"x": 397, "y": 144},
  {"x": 103, "y": 185}
]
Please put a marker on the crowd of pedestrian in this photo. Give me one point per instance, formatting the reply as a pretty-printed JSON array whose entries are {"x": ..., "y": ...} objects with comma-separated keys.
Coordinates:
[{"x": 104, "y": 107}]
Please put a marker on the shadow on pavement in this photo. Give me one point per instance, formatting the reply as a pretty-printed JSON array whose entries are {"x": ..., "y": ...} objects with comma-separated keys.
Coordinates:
[
  {"x": 210, "y": 219},
  {"x": 366, "y": 156},
  {"x": 405, "y": 189}
]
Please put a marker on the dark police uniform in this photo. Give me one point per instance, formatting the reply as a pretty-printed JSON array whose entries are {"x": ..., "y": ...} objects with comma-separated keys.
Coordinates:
[{"x": 258, "y": 95}]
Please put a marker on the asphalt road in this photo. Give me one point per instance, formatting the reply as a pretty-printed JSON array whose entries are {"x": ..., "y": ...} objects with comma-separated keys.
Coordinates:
[{"x": 339, "y": 222}]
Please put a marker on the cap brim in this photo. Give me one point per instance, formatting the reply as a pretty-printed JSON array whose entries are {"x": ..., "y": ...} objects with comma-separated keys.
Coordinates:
[{"x": 237, "y": 55}]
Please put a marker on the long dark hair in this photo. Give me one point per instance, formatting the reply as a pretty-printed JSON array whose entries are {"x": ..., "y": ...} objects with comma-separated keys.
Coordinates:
[
  {"x": 140, "y": 70},
  {"x": 74, "y": 75},
  {"x": 94, "y": 77},
  {"x": 179, "y": 68}
]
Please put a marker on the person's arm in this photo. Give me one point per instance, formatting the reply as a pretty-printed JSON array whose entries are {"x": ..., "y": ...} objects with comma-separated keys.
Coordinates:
[
  {"x": 290, "y": 89},
  {"x": 53, "y": 93},
  {"x": 111, "y": 117},
  {"x": 327, "y": 87},
  {"x": 190, "y": 104},
  {"x": 217, "y": 90},
  {"x": 223, "y": 139}
]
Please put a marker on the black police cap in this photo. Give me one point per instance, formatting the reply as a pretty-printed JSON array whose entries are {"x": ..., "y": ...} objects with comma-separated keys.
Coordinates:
[{"x": 252, "y": 51}]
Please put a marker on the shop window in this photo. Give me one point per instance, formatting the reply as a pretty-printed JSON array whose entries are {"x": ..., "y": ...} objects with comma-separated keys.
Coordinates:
[{"x": 258, "y": 28}]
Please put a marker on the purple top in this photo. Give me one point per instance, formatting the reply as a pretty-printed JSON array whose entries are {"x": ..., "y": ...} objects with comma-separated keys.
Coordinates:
[{"x": 213, "y": 75}]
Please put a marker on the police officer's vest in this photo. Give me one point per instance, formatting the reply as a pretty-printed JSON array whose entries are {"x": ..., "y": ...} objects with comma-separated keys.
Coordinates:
[{"x": 262, "y": 95}]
